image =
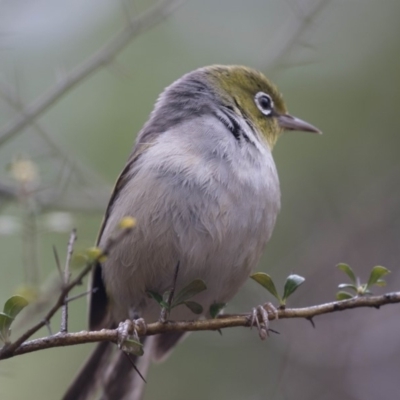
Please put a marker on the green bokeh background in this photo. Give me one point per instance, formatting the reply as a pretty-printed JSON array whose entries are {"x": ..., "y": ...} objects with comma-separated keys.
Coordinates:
[{"x": 340, "y": 191}]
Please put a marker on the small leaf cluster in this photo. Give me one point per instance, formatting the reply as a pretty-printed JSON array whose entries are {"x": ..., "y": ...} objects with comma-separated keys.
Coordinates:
[
  {"x": 292, "y": 283},
  {"x": 360, "y": 289},
  {"x": 13, "y": 306},
  {"x": 182, "y": 297}
]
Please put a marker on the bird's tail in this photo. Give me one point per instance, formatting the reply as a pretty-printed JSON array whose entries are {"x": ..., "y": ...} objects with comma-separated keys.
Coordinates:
[
  {"x": 112, "y": 374},
  {"x": 88, "y": 378},
  {"x": 109, "y": 373}
]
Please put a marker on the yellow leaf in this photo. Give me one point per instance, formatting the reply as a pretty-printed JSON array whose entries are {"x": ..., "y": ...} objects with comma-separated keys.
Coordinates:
[
  {"x": 127, "y": 223},
  {"x": 96, "y": 254}
]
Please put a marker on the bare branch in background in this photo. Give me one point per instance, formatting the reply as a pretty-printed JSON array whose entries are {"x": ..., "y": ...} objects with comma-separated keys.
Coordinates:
[
  {"x": 52, "y": 196},
  {"x": 101, "y": 58},
  {"x": 291, "y": 31}
]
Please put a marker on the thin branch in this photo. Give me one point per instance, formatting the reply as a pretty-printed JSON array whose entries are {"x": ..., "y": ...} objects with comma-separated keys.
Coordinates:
[
  {"x": 48, "y": 326},
  {"x": 83, "y": 174},
  {"x": 57, "y": 259},
  {"x": 78, "y": 296},
  {"x": 71, "y": 339},
  {"x": 99, "y": 59},
  {"x": 292, "y": 30},
  {"x": 66, "y": 278},
  {"x": 164, "y": 311},
  {"x": 11, "y": 348}
]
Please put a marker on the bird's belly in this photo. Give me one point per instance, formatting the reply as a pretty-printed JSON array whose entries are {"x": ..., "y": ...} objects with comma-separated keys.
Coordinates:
[
  {"x": 218, "y": 241},
  {"x": 215, "y": 226}
]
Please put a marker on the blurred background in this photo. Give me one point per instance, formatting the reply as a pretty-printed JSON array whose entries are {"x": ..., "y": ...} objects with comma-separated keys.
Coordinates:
[{"x": 337, "y": 64}]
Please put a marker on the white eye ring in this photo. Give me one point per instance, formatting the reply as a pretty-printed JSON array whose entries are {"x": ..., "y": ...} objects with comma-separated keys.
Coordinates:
[{"x": 264, "y": 103}]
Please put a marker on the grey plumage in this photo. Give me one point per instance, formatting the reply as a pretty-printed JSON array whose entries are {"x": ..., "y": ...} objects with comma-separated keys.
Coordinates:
[
  {"x": 212, "y": 207},
  {"x": 203, "y": 187}
]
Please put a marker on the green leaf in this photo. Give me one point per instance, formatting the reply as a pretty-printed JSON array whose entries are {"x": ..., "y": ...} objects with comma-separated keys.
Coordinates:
[
  {"x": 216, "y": 308},
  {"x": 14, "y": 305},
  {"x": 343, "y": 295},
  {"x": 376, "y": 274},
  {"x": 347, "y": 270},
  {"x": 5, "y": 323},
  {"x": 194, "y": 307},
  {"x": 132, "y": 346},
  {"x": 158, "y": 298},
  {"x": 266, "y": 282},
  {"x": 189, "y": 291},
  {"x": 380, "y": 282},
  {"x": 292, "y": 283},
  {"x": 348, "y": 286}
]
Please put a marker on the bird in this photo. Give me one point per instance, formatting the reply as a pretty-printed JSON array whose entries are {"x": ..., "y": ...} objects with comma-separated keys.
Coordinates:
[{"x": 204, "y": 190}]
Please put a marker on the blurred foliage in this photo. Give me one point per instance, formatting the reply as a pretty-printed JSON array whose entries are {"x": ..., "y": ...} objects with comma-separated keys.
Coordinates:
[{"x": 340, "y": 192}]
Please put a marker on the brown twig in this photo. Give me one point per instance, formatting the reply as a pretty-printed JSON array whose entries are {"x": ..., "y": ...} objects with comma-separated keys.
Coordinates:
[
  {"x": 71, "y": 339},
  {"x": 9, "y": 349}
]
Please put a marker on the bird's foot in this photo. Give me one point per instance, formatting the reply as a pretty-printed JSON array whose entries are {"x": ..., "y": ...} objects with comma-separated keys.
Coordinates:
[
  {"x": 260, "y": 317},
  {"x": 128, "y": 338}
]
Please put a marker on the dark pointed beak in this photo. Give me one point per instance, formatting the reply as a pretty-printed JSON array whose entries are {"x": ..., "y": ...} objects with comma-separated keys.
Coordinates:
[{"x": 291, "y": 123}]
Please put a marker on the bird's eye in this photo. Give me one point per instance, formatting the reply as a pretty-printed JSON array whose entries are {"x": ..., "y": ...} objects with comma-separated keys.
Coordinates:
[{"x": 264, "y": 103}]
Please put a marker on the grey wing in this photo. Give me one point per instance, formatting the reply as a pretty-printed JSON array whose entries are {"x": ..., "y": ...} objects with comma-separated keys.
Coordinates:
[{"x": 98, "y": 300}]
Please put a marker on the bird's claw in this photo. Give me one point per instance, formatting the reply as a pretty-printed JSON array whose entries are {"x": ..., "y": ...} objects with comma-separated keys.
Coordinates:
[
  {"x": 260, "y": 317},
  {"x": 128, "y": 338}
]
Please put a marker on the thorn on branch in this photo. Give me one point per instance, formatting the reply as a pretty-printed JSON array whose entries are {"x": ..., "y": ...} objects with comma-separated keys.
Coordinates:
[
  {"x": 135, "y": 367},
  {"x": 311, "y": 320}
]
